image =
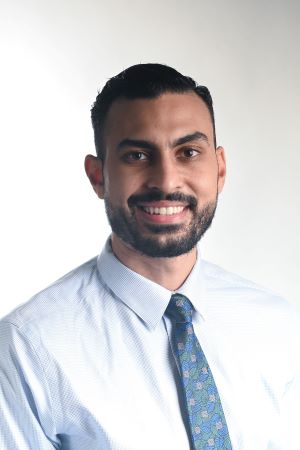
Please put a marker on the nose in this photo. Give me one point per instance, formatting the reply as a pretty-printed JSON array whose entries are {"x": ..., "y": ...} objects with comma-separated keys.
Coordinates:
[{"x": 165, "y": 175}]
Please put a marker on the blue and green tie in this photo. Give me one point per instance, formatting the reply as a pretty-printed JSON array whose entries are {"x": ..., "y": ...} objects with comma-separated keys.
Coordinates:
[{"x": 207, "y": 422}]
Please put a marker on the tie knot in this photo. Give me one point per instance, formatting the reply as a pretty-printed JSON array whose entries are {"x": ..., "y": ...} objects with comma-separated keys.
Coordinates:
[{"x": 179, "y": 309}]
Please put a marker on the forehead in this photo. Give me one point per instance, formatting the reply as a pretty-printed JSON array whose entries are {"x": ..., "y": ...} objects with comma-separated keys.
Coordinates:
[{"x": 170, "y": 115}]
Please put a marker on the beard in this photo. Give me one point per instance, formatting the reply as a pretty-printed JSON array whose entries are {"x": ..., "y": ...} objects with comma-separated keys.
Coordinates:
[{"x": 165, "y": 240}]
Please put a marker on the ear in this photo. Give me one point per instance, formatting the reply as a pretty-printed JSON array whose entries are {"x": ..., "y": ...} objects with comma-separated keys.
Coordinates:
[
  {"x": 94, "y": 170},
  {"x": 220, "y": 154}
]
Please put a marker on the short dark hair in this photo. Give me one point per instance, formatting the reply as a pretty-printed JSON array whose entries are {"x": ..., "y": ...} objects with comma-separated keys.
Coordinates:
[{"x": 143, "y": 81}]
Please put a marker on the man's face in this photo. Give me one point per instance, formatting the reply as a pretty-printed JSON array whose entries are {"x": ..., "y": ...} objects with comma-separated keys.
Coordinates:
[{"x": 161, "y": 175}]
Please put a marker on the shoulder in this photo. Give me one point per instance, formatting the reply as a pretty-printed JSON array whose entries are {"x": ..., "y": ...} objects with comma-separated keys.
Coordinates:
[
  {"x": 219, "y": 279},
  {"x": 63, "y": 297},
  {"x": 247, "y": 296}
]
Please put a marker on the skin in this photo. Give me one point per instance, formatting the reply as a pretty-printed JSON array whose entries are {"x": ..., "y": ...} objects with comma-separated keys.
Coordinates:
[{"x": 177, "y": 154}]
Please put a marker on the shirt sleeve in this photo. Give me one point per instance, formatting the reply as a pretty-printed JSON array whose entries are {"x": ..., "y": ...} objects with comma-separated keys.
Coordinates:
[{"x": 26, "y": 419}]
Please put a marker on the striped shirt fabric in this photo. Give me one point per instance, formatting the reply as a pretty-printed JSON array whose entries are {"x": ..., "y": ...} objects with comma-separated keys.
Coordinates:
[{"x": 88, "y": 362}]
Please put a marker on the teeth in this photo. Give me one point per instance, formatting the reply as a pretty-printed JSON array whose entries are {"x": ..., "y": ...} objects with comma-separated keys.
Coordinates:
[{"x": 169, "y": 211}]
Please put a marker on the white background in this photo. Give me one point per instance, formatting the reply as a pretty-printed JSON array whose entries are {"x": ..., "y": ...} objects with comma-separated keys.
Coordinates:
[{"x": 55, "y": 55}]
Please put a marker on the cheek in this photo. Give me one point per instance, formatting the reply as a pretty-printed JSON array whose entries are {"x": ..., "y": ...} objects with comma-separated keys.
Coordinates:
[
  {"x": 206, "y": 176},
  {"x": 206, "y": 184},
  {"x": 117, "y": 187},
  {"x": 207, "y": 187}
]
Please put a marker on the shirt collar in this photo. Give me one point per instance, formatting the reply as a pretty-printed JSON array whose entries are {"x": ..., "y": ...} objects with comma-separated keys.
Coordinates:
[
  {"x": 194, "y": 287},
  {"x": 146, "y": 298}
]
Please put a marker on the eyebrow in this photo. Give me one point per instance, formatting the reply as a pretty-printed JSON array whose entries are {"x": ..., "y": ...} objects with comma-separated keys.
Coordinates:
[
  {"x": 197, "y": 136},
  {"x": 141, "y": 143}
]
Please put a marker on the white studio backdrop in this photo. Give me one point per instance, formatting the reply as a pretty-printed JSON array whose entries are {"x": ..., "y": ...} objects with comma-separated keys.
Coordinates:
[{"x": 56, "y": 55}]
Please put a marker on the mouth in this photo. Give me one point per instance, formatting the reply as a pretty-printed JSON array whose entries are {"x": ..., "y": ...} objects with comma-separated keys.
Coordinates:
[{"x": 162, "y": 212}]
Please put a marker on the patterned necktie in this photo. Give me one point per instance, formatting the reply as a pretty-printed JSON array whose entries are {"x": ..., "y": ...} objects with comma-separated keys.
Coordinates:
[{"x": 206, "y": 417}]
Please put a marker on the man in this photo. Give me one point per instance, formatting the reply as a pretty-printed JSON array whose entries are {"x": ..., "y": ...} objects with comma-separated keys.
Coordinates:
[{"x": 148, "y": 346}]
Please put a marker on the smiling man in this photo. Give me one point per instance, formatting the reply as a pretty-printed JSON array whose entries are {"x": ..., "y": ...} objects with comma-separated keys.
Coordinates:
[
  {"x": 159, "y": 175},
  {"x": 148, "y": 346}
]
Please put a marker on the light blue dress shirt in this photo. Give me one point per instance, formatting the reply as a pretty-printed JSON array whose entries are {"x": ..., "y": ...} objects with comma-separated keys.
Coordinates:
[{"x": 87, "y": 363}]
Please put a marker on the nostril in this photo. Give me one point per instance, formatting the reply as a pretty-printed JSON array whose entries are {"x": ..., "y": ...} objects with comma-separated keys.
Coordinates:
[{"x": 165, "y": 180}]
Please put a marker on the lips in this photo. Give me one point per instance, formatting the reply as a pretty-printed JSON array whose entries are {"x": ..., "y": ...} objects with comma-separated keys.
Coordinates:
[
  {"x": 164, "y": 211},
  {"x": 158, "y": 199}
]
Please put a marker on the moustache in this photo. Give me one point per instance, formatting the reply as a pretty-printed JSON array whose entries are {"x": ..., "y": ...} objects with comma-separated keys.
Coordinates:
[{"x": 157, "y": 195}]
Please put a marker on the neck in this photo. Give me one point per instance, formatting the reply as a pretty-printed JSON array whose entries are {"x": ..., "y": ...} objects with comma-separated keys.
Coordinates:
[{"x": 168, "y": 272}]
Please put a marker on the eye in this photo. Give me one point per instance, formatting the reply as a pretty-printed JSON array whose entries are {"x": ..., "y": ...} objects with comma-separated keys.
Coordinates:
[
  {"x": 189, "y": 152},
  {"x": 135, "y": 156}
]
